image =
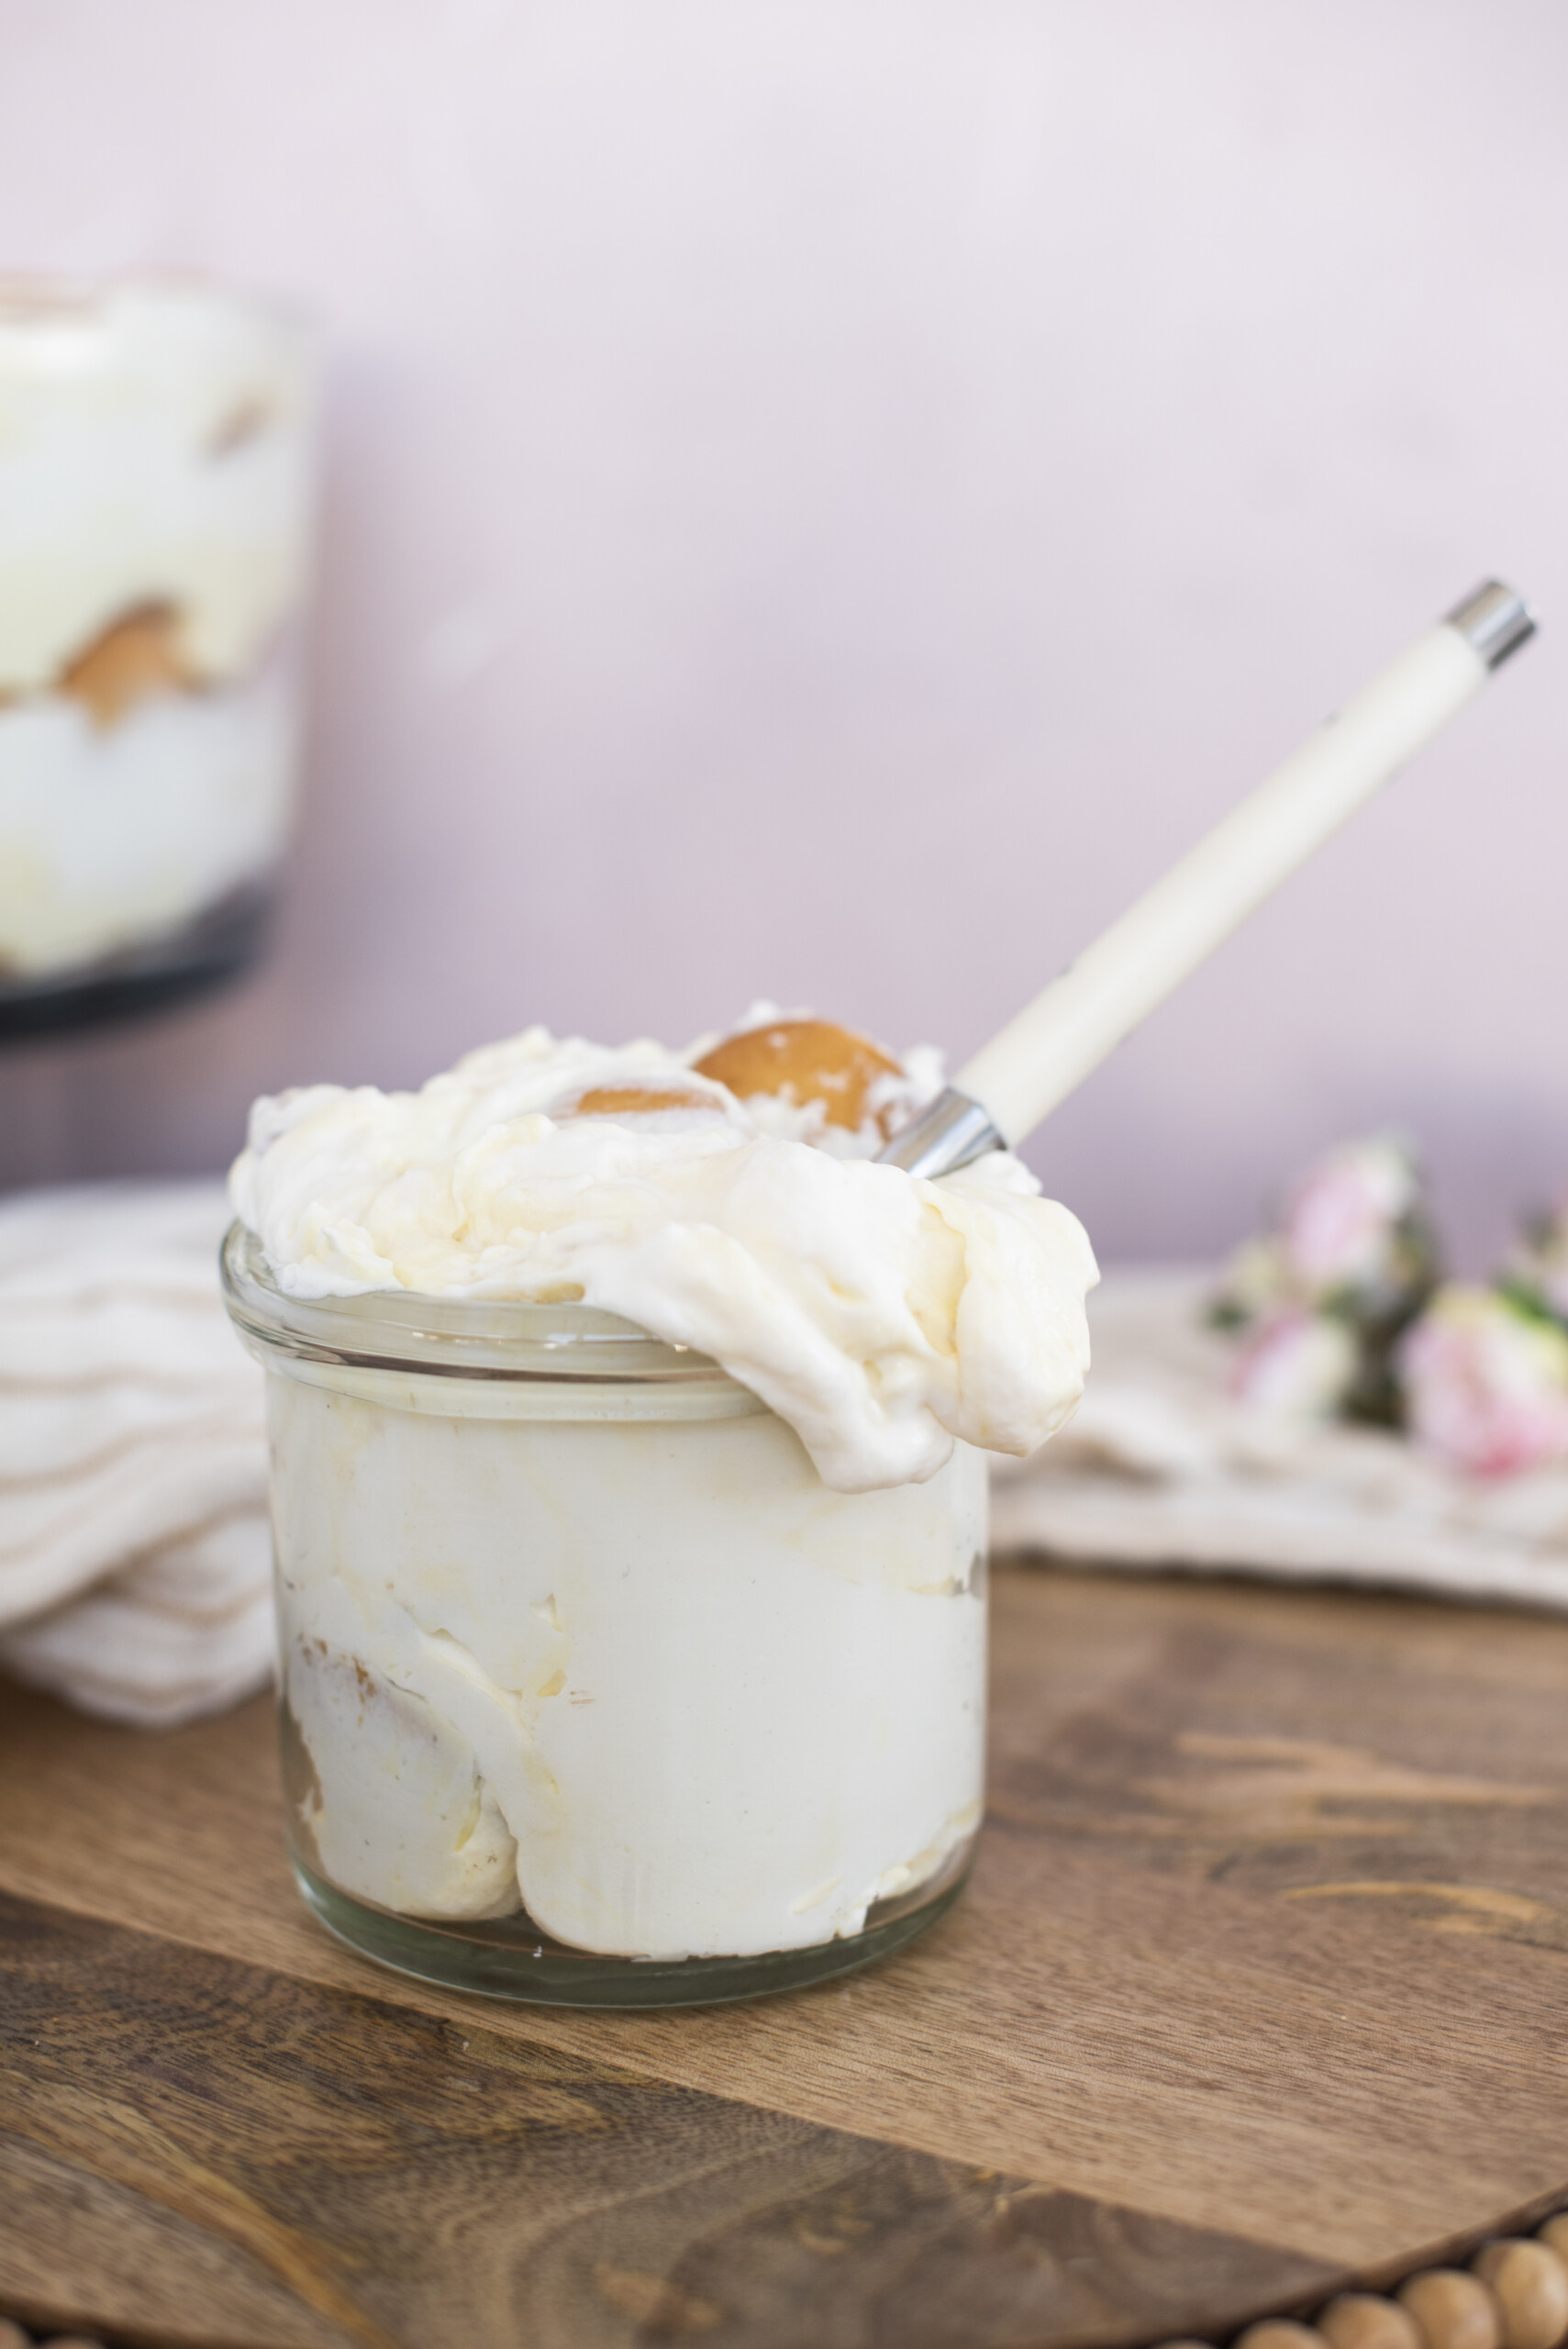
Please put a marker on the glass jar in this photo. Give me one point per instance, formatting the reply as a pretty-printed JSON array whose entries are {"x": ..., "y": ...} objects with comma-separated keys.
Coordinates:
[
  {"x": 156, "y": 476},
  {"x": 592, "y": 1693}
]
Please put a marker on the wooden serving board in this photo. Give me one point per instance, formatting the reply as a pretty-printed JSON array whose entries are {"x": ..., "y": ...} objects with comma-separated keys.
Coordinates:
[{"x": 1260, "y": 1986}]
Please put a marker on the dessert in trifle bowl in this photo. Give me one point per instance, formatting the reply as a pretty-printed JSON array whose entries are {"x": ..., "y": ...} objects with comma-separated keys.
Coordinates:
[
  {"x": 156, "y": 491},
  {"x": 628, "y": 1426}
]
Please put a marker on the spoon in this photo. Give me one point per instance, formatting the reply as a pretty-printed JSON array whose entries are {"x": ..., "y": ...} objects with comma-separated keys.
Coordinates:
[{"x": 1074, "y": 1023}]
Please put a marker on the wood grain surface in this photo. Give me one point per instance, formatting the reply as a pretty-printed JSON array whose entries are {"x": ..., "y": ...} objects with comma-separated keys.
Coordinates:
[{"x": 1259, "y": 1988}]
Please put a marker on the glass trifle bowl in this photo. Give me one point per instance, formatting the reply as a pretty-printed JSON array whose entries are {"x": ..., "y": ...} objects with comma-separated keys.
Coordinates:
[
  {"x": 611, "y": 1676},
  {"x": 157, "y": 462}
]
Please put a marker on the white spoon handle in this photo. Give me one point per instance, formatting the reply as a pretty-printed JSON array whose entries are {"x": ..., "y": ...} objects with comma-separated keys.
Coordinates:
[{"x": 1081, "y": 1017}]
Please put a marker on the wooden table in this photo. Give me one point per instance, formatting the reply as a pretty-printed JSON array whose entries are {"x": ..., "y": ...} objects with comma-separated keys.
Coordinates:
[{"x": 1260, "y": 1985}]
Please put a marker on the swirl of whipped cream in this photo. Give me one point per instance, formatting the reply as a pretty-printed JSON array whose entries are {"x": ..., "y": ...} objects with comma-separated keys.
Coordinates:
[{"x": 883, "y": 1317}]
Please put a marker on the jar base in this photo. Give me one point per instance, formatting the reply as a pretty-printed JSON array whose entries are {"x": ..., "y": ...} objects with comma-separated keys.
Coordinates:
[
  {"x": 217, "y": 947},
  {"x": 515, "y": 1961}
]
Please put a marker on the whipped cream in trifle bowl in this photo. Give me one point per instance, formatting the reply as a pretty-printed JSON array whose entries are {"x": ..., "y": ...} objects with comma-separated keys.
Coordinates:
[{"x": 629, "y": 1429}]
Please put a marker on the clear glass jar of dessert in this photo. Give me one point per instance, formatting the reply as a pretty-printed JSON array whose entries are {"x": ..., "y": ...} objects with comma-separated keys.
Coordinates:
[
  {"x": 156, "y": 479},
  {"x": 592, "y": 1693}
]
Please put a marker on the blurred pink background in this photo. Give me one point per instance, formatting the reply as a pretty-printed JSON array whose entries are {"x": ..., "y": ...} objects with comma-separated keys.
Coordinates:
[{"x": 825, "y": 500}]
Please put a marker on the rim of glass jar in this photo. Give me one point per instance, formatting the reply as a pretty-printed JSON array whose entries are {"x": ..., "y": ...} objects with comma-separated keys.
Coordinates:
[
  {"x": 491, "y": 1338},
  {"x": 55, "y": 298}
]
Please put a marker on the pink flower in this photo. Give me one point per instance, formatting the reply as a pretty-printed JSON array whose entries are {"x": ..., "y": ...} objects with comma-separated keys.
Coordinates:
[
  {"x": 1297, "y": 1365},
  {"x": 1338, "y": 1227},
  {"x": 1485, "y": 1386}
]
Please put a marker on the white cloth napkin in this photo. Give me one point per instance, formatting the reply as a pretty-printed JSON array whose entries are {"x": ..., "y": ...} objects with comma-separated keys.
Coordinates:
[
  {"x": 1161, "y": 1467},
  {"x": 135, "y": 1556}
]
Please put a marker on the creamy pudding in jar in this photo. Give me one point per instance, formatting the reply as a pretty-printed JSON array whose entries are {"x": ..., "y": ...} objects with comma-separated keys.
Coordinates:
[
  {"x": 155, "y": 496},
  {"x": 628, "y": 1429}
]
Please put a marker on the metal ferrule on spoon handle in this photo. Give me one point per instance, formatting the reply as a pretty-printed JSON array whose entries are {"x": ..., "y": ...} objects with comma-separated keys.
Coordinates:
[{"x": 1040, "y": 1056}]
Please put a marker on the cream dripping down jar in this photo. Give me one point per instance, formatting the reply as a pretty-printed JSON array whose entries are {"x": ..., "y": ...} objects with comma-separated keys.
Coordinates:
[
  {"x": 629, "y": 1431},
  {"x": 156, "y": 481}
]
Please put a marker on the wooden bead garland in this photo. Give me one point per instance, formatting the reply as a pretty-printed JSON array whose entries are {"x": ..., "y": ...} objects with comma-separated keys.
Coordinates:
[
  {"x": 1366, "y": 2320},
  {"x": 1453, "y": 2310},
  {"x": 1531, "y": 2285},
  {"x": 1513, "y": 2296}
]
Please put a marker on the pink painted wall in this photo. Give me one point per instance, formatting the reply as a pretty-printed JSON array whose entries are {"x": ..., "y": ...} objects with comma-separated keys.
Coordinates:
[{"x": 827, "y": 497}]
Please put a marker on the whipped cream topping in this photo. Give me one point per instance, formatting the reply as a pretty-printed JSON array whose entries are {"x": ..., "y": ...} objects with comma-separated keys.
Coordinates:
[{"x": 881, "y": 1315}]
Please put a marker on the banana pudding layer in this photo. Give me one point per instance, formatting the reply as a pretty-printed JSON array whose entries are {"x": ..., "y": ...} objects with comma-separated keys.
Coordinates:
[
  {"x": 650, "y": 1682},
  {"x": 155, "y": 459}
]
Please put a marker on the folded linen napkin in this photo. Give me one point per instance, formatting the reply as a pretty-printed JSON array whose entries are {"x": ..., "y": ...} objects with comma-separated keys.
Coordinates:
[
  {"x": 1161, "y": 1467},
  {"x": 135, "y": 1558}
]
